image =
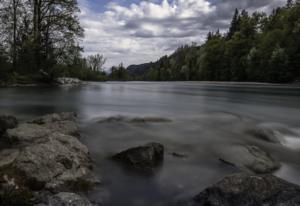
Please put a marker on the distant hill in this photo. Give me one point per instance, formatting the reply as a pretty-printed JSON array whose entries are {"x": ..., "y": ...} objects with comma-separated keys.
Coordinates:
[{"x": 139, "y": 69}]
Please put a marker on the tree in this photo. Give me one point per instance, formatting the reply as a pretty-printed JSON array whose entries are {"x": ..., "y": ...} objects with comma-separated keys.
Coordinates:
[
  {"x": 96, "y": 62},
  {"x": 234, "y": 26}
]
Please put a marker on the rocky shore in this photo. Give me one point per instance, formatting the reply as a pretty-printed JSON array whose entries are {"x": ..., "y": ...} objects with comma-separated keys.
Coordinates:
[{"x": 45, "y": 164}]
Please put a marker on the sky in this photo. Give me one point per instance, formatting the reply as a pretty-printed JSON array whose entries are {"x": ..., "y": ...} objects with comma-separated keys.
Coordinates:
[{"x": 135, "y": 31}]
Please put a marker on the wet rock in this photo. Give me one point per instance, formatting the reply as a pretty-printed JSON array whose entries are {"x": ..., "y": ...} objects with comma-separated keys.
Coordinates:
[
  {"x": 67, "y": 199},
  {"x": 120, "y": 118},
  {"x": 8, "y": 156},
  {"x": 47, "y": 158},
  {"x": 27, "y": 134},
  {"x": 179, "y": 155},
  {"x": 250, "y": 190},
  {"x": 250, "y": 159},
  {"x": 7, "y": 122},
  {"x": 265, "y": 134},
  {"x": 38, "y": 130},
  {"x": 58, "y": 162},
  {"x": 64, "y": 123},
  {"x": 144, "y": 159},
  {"x": 56, "y": 117}
]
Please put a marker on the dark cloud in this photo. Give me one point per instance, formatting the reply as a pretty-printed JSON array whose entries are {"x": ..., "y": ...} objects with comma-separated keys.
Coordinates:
[{"x": 143, "y": 31}]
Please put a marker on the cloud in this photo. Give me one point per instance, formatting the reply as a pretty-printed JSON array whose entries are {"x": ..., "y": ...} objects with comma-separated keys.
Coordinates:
[{"x": 144, "y": 31}]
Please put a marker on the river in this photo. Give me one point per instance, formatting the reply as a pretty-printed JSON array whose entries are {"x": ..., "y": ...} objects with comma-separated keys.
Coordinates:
[{"x": 206, "y": 118}]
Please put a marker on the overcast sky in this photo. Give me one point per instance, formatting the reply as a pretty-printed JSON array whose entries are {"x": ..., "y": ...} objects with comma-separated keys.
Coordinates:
[{"x": 133, "y": 32}]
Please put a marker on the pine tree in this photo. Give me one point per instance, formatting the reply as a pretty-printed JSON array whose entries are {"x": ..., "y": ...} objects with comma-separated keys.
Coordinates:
[{"x": 234, "y": 26}]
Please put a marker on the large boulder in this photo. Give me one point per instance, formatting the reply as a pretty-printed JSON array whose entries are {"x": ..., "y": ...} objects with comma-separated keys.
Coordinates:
[
  {"x": 47, "y": 158},
  {"x": 250, "y": 190},
  {"x": 7, "y": 122},
  {"x": 249, "y": 158},
  {"x": 144, "y": 159}
]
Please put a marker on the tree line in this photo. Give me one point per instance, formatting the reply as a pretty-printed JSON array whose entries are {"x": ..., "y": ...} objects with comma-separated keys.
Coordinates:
[
  {"x": 39, "y": 37},
  {"x": 257, "y": 47}
]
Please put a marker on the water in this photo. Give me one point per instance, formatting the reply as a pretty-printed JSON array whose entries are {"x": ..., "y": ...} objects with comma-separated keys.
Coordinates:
[{"x": 207, "y": 119}]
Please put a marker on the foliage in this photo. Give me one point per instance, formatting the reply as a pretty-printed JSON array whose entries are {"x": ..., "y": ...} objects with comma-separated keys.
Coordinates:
[
  {"x": 257, "y": 47},
  {"x": 43, "y": 35}
]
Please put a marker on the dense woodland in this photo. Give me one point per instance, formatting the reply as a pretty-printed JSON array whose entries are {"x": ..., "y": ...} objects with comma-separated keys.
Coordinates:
[
  {"x": 257, "y": 47},
  {"x": 39, "y": 39}
]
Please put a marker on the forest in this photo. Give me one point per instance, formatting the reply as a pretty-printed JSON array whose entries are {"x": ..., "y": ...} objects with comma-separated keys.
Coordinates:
[
  {"x": 257, "y": 47},
  {"x": 39, "y": 40}
]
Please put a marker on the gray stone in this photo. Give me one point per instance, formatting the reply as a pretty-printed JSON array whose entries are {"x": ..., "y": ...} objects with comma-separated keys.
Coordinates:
[
  {"x": 28, "y": 134},
  {"x": 250, "y": 190},
  {"x": 68, "y": 199},
  {"x": 46, "y": 157},
  {"x": 38, "y": 130},
  {"x": 56, "y": 117},
  {"x": 59, "y": 161},
  {"x": 250, "y": 159},
  {"x": 7, "y": 122},
  {"x": 143, "y": 158}
]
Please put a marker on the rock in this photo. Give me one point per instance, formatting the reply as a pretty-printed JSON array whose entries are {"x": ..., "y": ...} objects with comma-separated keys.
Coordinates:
[
  {"x": 38, "y": 130},
  {"x": 67, "y": 81},
  {"x": 60, "y": 160},
  {"x": 8, "y": 156},
  {"x": 50, "y": 118},
  {"x": 250, "y": 190},
  {"x": 137, "y": 120},
  {"x": 250, "y": 159},
  {"x": 179, "y": 155},
  {"x": 46, "y": 157},
  {"x": 27, "y": 134},
  {"x": 143, "y": 159},
  {"x": 266, "y": 134},
  {"x": 64, "y": 123},
  {"x": 67, "y": 199},
  {"x": 7, "y": 122}
]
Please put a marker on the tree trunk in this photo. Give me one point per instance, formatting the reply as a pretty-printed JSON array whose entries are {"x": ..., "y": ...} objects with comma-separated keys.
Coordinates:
[{"x": 14, "y": 33}]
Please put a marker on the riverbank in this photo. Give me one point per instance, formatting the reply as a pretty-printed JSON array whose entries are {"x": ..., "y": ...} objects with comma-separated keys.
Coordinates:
[{"x": 61, "y": 81}]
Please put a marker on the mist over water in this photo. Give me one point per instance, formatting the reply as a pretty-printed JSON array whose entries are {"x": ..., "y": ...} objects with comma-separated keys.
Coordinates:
[{"x": 203, "y": 121}]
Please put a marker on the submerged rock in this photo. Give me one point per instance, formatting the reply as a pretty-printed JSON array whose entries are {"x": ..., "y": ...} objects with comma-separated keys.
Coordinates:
[
  {"x": 143, "y": 159},
  {"x": 250, "y": 190},
  {"x": 7, "y": 122},
  {"x": 179, "y": 155},
  {"x": 266, "y": 134},
  {"x": 120, "y": 118},
  {"x": 250, "y": 158}
]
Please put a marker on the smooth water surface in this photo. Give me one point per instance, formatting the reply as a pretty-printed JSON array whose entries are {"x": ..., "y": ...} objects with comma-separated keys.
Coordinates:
[{"x": 207, "y": 119}]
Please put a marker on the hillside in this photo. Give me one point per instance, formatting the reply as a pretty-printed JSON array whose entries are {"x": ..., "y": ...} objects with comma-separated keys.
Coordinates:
[{"x": 257, "y": 47}]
